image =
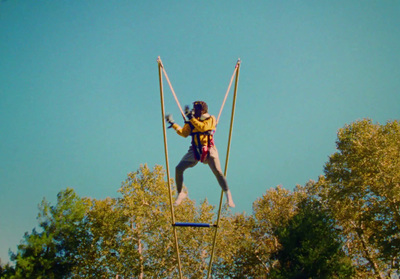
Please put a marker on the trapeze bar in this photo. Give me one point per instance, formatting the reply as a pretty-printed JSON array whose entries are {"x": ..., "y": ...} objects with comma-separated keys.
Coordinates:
[{"x": 204, "y": 225}]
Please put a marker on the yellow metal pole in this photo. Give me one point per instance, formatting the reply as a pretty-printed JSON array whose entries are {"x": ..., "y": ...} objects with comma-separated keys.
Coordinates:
[
  {"x": 167, "y": 164},
  {"x": 226, "y": 168}
]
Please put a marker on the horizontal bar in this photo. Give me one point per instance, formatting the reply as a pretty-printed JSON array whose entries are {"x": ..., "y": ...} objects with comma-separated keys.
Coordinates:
[{"x": 204, "y": 225}]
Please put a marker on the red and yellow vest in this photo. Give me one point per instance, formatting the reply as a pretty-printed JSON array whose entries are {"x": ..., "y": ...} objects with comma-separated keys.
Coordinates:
[{"x": 202, "y": 131}]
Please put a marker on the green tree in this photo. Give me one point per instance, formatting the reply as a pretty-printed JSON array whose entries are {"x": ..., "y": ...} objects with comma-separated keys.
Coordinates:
[
  {"x": 5, "y": 270},
  {"x": 51, "y": 252},
  {"x": 361, "y": 187},
  {"x": 252, "y": 239},
  {"x": 274, "y": 209},
  {"x": 97, "y": 255},
  {"x": 130, "y": 236},
  {"x": 310, "y": 246},
  {"x": 236, "y": 258},
  {"x": 146, "y": 239}
]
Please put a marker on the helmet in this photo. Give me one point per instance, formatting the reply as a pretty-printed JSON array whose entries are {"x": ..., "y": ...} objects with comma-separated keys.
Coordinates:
[{"x": 201, "y": 105}]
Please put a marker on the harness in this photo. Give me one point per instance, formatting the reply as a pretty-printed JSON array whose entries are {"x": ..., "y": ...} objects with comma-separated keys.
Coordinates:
[{"x": 201, "y": 151}]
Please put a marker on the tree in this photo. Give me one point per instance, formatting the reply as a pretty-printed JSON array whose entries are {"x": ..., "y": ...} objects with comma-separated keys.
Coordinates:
[
  {"x": 274, "y": 209},
  {"x": 130, "y": 236},
  {"x": 6, "y": 271},
  {"x": 310, "y": 246},
  {"x": 50, "y": 253},
  {"x": 361, "y": 186},
  {"x": 252, "y": 238},
  {"x": 96, "y": 256},
  {"x": 146, "y": 236},
  {"x": 236, "y": 258}
]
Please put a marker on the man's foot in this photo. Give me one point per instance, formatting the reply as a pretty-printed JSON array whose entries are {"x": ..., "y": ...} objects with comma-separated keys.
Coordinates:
[
  {"x": 180, "y": 198},
  {"x": 229, "y": 199}
]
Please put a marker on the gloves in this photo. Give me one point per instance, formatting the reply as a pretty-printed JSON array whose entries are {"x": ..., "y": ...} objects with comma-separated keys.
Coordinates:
[
  {"x": 169, "y": 120},
  {"x": 188, "y": 112}
]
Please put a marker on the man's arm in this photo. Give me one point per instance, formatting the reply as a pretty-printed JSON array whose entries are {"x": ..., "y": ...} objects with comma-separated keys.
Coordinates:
[{"x": 184, "y": 132}]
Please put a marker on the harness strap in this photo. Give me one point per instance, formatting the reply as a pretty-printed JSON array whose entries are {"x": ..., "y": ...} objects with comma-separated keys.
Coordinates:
[{"x": 201, "y": 151}]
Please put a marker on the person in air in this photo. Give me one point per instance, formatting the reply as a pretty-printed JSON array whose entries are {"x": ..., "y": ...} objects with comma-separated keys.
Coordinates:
[{"x": 201, "y": 126}]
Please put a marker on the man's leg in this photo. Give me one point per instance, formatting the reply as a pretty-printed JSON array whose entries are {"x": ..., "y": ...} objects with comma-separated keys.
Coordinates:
[
  {"x": 187, "y": 161},
  {"x": 215, "y": 166}
]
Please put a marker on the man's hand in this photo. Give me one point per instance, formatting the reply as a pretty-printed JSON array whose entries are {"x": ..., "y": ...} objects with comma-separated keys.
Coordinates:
[
  {"x": 169, "y": 120},
  {"x": 188, "y": 112}
]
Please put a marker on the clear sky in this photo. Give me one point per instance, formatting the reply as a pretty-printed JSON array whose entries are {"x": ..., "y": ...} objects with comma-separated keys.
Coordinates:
[{"x": 80, "y": 102}]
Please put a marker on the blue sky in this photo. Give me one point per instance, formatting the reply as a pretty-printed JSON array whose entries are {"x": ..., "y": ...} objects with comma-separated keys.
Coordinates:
[{"x": 80, "y": 104}]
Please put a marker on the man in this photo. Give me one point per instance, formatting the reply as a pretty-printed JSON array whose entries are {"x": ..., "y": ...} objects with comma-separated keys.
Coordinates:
[{"x": 201, "y": 127}]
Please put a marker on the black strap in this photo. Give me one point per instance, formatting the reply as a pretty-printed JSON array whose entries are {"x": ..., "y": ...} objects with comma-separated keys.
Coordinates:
[{"x": 197, "y": 135}]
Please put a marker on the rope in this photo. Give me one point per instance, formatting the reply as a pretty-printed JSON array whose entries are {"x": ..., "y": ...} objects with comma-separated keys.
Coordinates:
[
  {"x": 228, "y": 90},
  {"x": 170, "y": 86}
]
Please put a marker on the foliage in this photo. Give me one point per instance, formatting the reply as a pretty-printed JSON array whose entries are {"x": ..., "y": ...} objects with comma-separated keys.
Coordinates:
[
  {"x": 254, "y": 240},
  {"x": 361, "y": 186},
  {"x": 273, "y": 210},
  {"x": 131, "y": 236},
  {"x": 310, "y": 246},
  {"x": 235, "y": 244},
  {"x": 51, "y": 252}
]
